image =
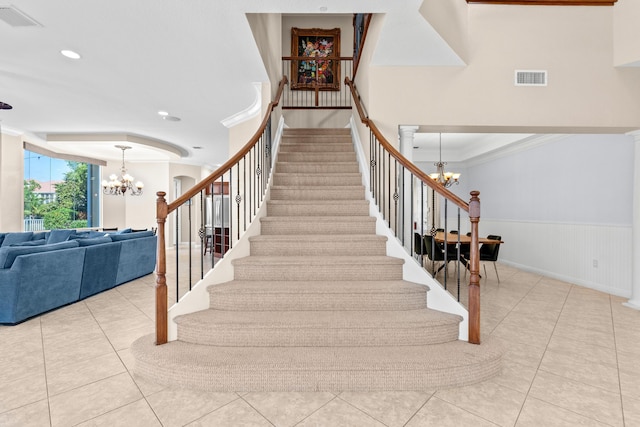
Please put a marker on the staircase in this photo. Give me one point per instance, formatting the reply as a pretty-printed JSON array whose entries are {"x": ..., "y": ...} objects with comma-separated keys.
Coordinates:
[{"x": 318, "y": 305}]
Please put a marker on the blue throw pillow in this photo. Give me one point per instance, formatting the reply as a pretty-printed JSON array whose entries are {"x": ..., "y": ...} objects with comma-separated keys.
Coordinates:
[
  {"x": 38, "y": 235},
  {"x": 129, "y": 236},
  {"x": 124, "y": 231},
  {"x": 38, "y": 242},
  {"x": 94, "y": 241},
  {"x": 57, "y": 236},
  {"x": 18, "y": 237},
  {"x": 8, "y": 255}
]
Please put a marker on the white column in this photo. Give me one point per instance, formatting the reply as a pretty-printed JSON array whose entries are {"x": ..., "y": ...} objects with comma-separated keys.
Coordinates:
[
  {"x": 634, "y": 301},
  {"x": 406, "y": 149}
]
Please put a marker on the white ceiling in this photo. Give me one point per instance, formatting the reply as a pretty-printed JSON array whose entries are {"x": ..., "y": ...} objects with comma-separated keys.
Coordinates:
[{"x": 143, "y": 56}]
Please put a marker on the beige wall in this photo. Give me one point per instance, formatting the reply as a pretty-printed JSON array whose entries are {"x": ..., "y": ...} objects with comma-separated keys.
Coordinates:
[
  {"x": 267, "y": 32},
  {"x": 626, "y": 48},
  {"x": 11, "y": 183},
  {"x": 574, "y": 44},
  {"x": 449, "y": 19},
  {"x": 344, "y": 22}
]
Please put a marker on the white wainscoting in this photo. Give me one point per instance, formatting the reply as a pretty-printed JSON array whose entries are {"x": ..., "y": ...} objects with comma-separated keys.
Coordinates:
[{"x": 594, "y": 256}]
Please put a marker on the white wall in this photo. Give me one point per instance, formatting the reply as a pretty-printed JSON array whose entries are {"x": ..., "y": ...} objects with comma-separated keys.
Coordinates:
[
  {"x": 562, "y": 204},
  {"x": 11, "y": 183}
]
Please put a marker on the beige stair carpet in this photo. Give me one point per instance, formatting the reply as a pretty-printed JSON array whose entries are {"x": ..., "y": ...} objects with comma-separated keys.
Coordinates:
[{"x": 318, "y": 305}]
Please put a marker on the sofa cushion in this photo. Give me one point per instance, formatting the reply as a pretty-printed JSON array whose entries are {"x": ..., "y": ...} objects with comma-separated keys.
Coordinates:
[
  {"x": 57, "y": 236},
  {"x": 9, "y": 254},
  {"x": 127, "y": 236},
  {"x": 94, "y": 241},
  {"x": 30, "y": 243},
  {"x": 2, "y": 237},
  {"x": 124, "y": 231},
  {"x": 39, "y": 235},
  {"x": 18, "y": 237}
]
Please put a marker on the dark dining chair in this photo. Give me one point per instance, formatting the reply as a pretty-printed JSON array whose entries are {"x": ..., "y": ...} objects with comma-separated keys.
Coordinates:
[
  {"x": 419, "y": 247},
  {"x": 436, "y": 253},
  {"x": 489, "y": 253}
]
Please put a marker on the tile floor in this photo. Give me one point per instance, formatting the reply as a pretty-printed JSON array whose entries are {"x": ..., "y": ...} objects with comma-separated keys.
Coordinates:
[{"x": 573, "y": 359}]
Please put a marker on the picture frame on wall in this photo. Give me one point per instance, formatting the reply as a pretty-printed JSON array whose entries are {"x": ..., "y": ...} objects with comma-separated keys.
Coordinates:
[{"x": 316, "y": 59}]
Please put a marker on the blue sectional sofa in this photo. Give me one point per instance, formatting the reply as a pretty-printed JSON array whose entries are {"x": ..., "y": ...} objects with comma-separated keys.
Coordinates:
[{"x": 43, "y": 271}]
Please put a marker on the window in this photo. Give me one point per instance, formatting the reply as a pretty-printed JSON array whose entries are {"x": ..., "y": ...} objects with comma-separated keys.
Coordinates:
[{"x": 59, "y": 193}]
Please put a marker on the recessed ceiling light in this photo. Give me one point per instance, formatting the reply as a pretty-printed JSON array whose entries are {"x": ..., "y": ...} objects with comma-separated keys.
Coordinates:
[
  {"x": 323, "y": 8},
  {"x": 171, "y": 118},
  {"x": 70, "y": 54},
  {"x": 197, "y": 147},
  {"x": 163, "y": 113}
]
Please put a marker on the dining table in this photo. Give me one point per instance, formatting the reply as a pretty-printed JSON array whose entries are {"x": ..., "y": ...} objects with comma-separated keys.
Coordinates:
[{"x": 452, "y": 238}]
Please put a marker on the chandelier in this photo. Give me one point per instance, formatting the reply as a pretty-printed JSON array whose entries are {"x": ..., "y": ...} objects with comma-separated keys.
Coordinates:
[
  {"x": 443, "y": 178},
  {"x": 123, "y": 183}
]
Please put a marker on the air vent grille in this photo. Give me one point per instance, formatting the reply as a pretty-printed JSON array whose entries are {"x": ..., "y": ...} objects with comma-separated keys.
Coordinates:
[
  {"x": 16, "y": 18},
  {"x": 531, "y": 78}
]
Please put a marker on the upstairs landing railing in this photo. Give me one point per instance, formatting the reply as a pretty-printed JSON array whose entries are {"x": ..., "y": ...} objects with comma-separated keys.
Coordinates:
[
  {"x": 214, "y": 213},
  {"x": 416, "y": 207}
]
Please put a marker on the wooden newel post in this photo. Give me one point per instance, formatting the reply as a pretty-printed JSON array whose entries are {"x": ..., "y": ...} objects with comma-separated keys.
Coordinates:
[
  {"x": 474, "y": 266},
  {"x": 161, "y": 270}
]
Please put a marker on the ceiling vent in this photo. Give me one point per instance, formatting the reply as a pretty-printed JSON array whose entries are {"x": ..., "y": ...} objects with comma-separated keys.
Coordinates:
[
  {"x": 14, "y": 17},
  {"x": 531, "y": 78}
]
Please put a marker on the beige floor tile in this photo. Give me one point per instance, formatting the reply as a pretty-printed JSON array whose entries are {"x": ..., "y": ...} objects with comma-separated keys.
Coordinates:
[
  {"x": 19, "y": 364},
  {"x": 578, "y": 333},
  {"x": 136, "y": 414},
  {"x": 33, "y": 415},
  {"x": 393, "y": 409},
  {"x": 515, "y": 376},
  {"x": 628, "y": 362},
  {"x": 488, "y": 400},
  {"x": 146, "y": 387},
  {"x": 68, "y": 377},
  {"x": 536, "y": 413},
  {"x": 591, "y": 402},
  {"x": 438, "y": 413},
  {"x": 23, "y": 391},
  {"x": 92, "y": 400},
  {"x": 631, "y": 409},
  {"x": 121, "y": 339},
  {"x": 588, "y": 351},
  {"x": 175, "y": 407},
  {"x": 237, "y": 414},
  {"x": 287, "y": 409},
  {"x": 60, "y": 354},
  {"x": 627, "y": 341},
  {"x": 578, "y": 369},
  {"x": 630, "y": 385},
  {"x": 521, "y": 353},
  {"x": 339, "y": 413}
]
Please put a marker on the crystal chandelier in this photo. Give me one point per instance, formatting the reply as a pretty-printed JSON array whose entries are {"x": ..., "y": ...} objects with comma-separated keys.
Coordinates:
[
  {"x": 443, "y": 178},
  {"x": 123, "y": 183}
]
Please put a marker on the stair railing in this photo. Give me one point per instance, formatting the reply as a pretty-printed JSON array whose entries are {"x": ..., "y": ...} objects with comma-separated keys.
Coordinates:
[
  {"x": 222, "y": 206},
  {"x": 413, "y": 204}
]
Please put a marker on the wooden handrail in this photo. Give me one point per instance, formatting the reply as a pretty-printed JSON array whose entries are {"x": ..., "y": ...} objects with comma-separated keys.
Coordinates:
[
  {"x": 473, "y": 209},
  {"x": 163, "y": 210},
  {"x": 232, "y": 161},
  {"x": 399, "y": 157}
]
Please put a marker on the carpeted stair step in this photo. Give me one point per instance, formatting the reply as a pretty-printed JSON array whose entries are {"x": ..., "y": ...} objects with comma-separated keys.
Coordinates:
[
  {"x": 317, "y": 208},
  {"x": 318, "y": 268},
  {"x": 317, "y": 167},
  {"x": 317, "y": 225},
  {"x": 317, "y": 147},
  {"x": 331, "y": 133},
  {"x": 229, "y": 369},
  {"x": 318, "y": 179},
  {"x": 317, "y": 328},
  {"x": 304, "y": 157},
  {"x": 318, "y": 245},
  {"x": 282, "y": 295},
  {"x": 339, "y": 192}
]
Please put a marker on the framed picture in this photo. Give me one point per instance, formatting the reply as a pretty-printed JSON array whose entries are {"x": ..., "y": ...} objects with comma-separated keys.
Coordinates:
[{"x": 322, "y": 69}]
